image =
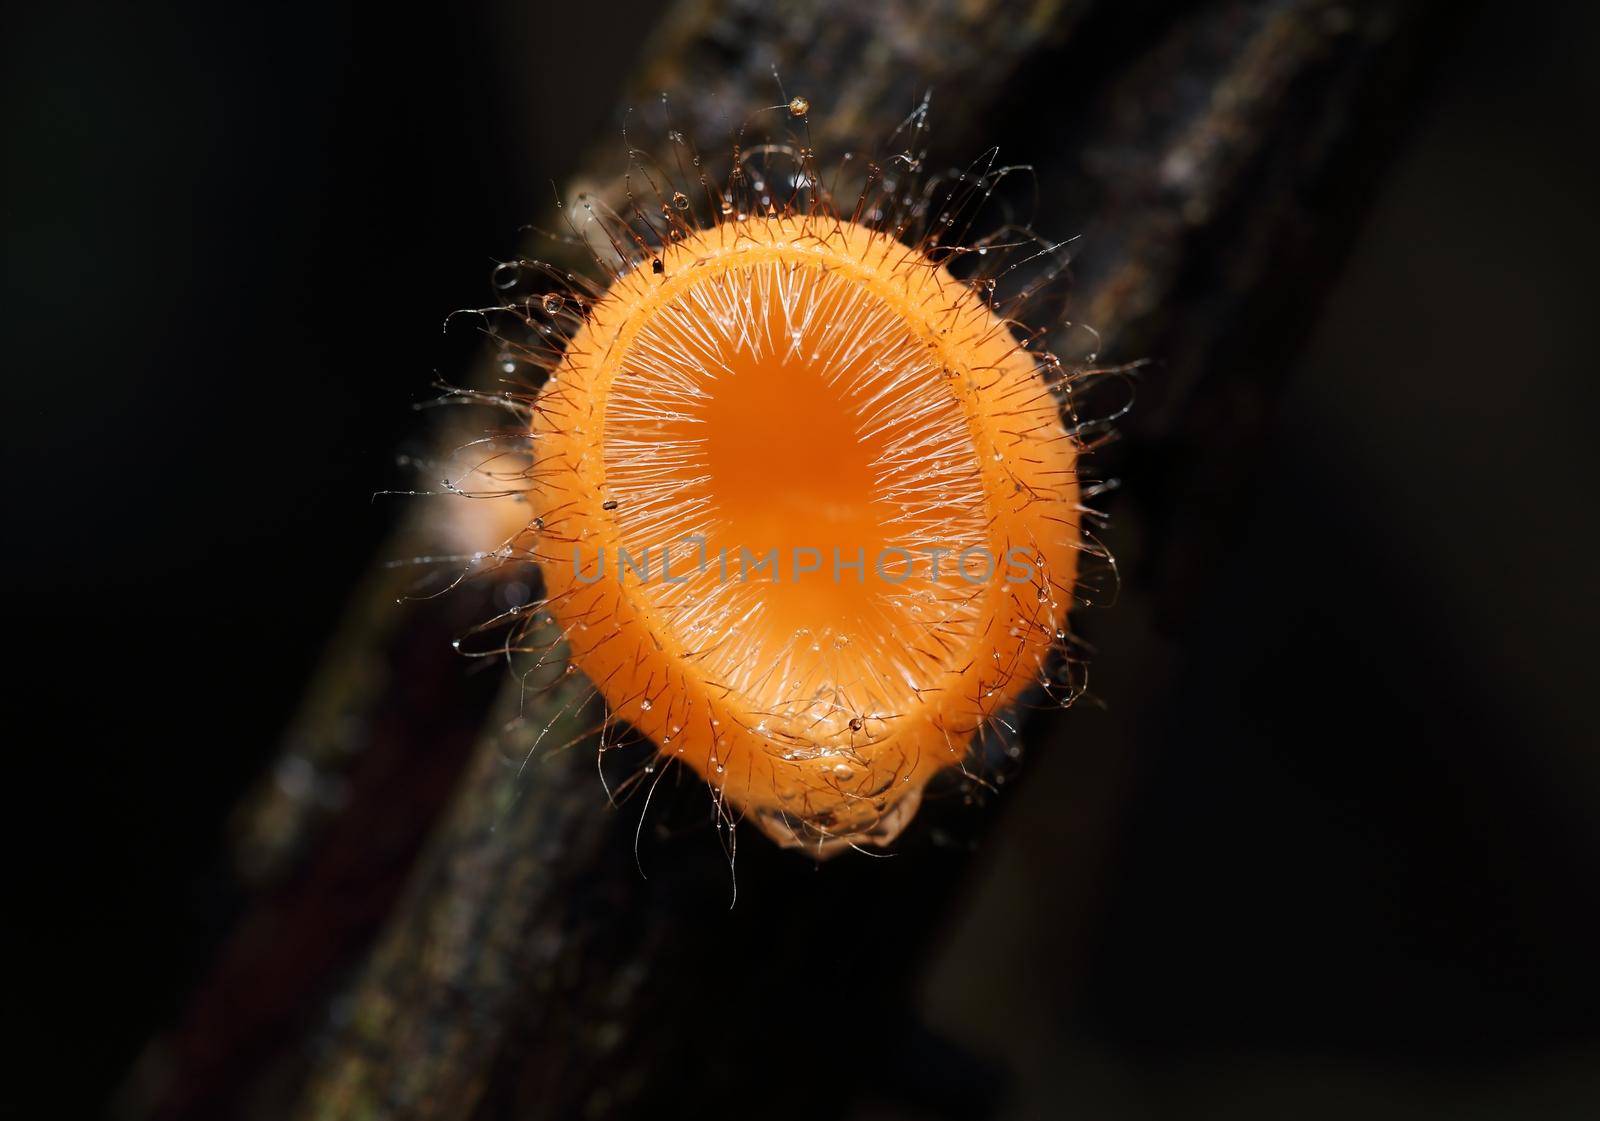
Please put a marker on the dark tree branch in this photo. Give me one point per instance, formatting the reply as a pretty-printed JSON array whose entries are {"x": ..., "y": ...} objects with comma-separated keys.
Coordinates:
[{"x": 528, "y": 969}]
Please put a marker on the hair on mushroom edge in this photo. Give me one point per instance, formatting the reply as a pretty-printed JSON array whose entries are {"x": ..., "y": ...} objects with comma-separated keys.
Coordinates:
[{"x": 738, "y": 446}]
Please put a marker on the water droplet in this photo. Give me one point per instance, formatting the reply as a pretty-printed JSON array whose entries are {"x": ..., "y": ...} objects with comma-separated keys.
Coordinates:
[
  {"x": 646, "y": 705},
  {"x": 609, "y": 504},
  {"x": 680, "y": 200},
  {"x": 856, "y": 723},
  {"x": 799, "y": 107},
  {"x": 551, "y": 303}
]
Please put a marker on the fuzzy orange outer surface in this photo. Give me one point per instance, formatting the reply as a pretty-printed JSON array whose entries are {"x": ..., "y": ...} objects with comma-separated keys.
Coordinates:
[{"x": 814, "y": 390}]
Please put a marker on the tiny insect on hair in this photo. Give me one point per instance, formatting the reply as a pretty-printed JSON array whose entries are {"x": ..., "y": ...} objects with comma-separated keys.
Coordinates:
[{"x": 801, "y": 476}]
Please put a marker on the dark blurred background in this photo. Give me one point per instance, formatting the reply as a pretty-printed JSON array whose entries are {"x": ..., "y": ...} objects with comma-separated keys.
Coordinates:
[{"x": 1351, "y": 870}]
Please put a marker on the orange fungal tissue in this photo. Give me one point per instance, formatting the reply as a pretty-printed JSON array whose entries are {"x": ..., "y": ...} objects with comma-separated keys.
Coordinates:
[{"x": 804, "y": 490}]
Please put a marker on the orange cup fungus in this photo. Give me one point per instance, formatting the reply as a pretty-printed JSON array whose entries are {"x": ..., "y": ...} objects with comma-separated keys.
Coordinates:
[
  {"x": 807, "y": 418},
  {"x": 804, "y": 502}
]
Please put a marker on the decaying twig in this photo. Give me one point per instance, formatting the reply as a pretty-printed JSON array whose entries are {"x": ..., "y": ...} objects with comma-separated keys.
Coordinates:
[{"x": 528, "y": 969}]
